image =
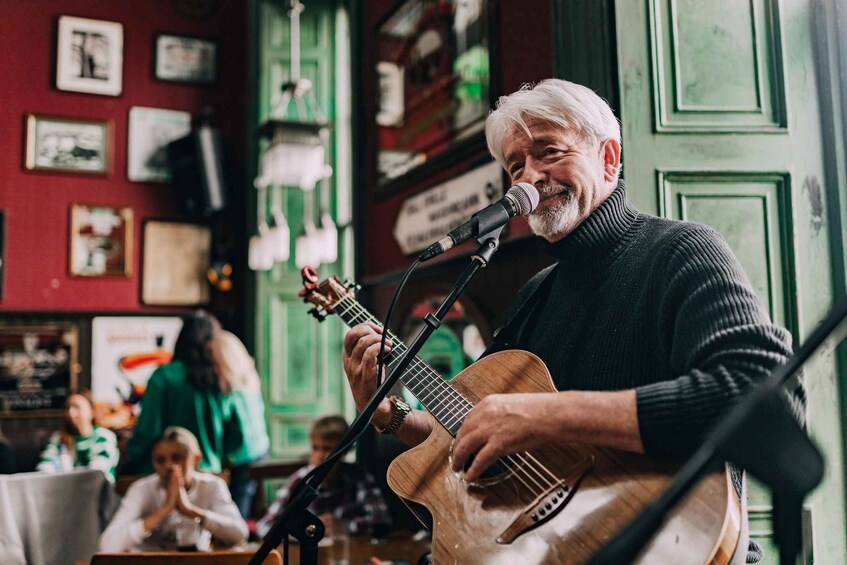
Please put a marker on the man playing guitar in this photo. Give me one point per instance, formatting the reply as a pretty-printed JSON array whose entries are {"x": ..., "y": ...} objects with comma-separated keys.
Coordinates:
[{"x": 648, "y": 326}]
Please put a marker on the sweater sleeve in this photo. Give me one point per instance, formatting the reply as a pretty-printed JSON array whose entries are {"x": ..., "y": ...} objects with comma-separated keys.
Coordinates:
[
  {"x": 126, "y": 530},
  {"x": 718, "y": 337},
  {"x": 149, "y": 425},
  {"x": 223, "y": 520}
]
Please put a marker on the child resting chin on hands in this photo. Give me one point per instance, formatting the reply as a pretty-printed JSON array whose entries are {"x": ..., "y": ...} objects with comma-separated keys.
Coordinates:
[{"x": 177, "y": 508}]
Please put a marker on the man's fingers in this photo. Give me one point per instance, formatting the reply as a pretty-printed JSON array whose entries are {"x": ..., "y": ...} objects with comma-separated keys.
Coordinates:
[
  {"x": 362, "y": 345},
  {"x": 484, "y": 459},
  {"x": 355, "y": 334},
  {"x": 465, "y": 447}
]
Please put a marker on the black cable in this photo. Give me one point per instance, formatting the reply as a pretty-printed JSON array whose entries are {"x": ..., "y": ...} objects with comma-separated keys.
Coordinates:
[{"x": 342, "y": 449}]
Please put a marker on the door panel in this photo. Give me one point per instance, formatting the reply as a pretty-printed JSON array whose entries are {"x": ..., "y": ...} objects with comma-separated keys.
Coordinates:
[{"x": 721, "y": 124}]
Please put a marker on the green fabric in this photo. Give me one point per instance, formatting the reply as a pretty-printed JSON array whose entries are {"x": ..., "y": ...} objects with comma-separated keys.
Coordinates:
[
  {"x": 97, "y": 451},
  {"x": 250, "y": 411},
  {"x": 171, "y": 400}
]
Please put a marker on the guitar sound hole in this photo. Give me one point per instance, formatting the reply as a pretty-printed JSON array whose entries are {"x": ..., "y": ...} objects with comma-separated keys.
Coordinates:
[{"x": 496, "y": 473}]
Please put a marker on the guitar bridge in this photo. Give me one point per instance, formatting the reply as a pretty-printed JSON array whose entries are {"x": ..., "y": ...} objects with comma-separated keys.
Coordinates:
[{"x": 549, "y": 503}]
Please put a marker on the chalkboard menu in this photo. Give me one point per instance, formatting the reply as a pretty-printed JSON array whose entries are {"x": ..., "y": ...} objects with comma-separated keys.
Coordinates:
[{"x": 38, "y": 367}]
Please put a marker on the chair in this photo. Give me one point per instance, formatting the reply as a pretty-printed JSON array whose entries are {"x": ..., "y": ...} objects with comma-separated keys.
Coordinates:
[
  {"x": 183, "y": 558},
  {"x": 270, "y": 470}
]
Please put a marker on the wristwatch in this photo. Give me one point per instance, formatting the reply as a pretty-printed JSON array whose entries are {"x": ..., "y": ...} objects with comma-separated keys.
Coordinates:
[{"x": 401, "y": 409}]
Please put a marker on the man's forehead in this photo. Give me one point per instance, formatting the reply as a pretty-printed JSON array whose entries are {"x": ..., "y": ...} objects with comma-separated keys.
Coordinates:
[{"x": 539, "y": 132}]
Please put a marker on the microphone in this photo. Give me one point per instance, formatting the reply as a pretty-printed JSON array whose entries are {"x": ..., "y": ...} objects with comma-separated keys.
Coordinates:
[{"x": 519, "y": 200}]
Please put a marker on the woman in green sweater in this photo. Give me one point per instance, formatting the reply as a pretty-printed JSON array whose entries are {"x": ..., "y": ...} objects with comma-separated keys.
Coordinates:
[{"x": 187, "y": 393}]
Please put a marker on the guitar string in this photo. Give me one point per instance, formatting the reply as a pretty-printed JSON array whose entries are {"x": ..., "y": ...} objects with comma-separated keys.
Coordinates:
[
  {"x": 522, "y": 463},
  {"x": 447, "y": 387},
  {"x": 533, "y": 490}
]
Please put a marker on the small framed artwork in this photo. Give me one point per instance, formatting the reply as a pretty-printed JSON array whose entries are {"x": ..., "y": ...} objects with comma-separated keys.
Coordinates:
[
  {"x": 89, "y": 56},
  {"x": 68, "y": 145},
  {"x": 175, "y": 258},
  {"x": 38, "y": 367},
  {"x": 100, "y": 241},
  {"x": 150, "y": 131},
  {"x": 179, "y": 58}
]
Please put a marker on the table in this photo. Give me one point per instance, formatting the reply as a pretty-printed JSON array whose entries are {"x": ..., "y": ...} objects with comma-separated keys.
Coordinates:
[{"x": 400, "y": 547}]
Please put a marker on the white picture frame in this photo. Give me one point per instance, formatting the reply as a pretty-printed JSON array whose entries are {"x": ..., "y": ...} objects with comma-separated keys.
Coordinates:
[
  {"x": 150, "y": 131},
  {"x": 89, "y": 56}
]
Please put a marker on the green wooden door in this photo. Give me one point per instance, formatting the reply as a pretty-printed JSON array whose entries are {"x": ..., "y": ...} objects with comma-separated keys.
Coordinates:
[
  {"x": 298, "y": 358},
  {"x": 721, "y": 125}
]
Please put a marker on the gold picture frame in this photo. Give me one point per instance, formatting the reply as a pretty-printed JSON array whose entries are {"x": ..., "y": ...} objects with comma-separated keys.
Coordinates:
[
  {"x": 68, "y": 145},
  {"x": 175, "y": 258},
  {"x": 100, "y": 242}
]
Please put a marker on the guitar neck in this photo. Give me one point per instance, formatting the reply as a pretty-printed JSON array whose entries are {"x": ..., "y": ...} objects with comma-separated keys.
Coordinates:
[{"x": 440, "y": 399}]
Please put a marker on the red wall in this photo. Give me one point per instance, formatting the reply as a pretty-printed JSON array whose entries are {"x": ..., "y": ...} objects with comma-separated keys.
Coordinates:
[
  {"x": 525, "y": 45},
  {"x": 37, "y": 204}
]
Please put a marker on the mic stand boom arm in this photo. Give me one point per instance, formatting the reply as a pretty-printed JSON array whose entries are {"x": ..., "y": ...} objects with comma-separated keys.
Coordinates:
[{"x": 296, "y": 519}]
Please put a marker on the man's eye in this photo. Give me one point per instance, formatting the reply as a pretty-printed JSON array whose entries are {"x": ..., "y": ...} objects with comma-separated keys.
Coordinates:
[
  {"x": 551, "y": 151},
  {"x": 515, "y": 169}
]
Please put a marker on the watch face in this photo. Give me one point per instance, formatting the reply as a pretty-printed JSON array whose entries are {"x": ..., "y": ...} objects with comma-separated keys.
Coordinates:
[{"x": 196, "y": 9}]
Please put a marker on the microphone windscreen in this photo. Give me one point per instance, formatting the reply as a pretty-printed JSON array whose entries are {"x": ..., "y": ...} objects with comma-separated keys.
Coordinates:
[{"x": 526, "y": 196}]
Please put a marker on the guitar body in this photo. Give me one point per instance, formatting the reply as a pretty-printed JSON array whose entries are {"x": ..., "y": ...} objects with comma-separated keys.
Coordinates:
[{"x": 467, "y": 520}]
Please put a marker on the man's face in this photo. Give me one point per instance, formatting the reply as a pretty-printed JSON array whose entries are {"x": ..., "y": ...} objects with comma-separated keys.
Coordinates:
[
  {"x": 320, "y": 449},
  {"x": 568, "y": 171}
]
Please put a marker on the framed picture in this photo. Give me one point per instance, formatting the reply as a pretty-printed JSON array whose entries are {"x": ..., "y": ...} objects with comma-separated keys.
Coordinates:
[
  {"x": 175, "y": 258},
  {"x": 179, "y": 58},
  {"x": 68, "y": 145},
  {"x": 38, "y": 367},
  {"x": 89, "y": 56},
  {"x": 100, "y": 241},
  {"x": 125, "y": 350},
  {"x": 433, "y": 82},
  {"x": 150, "y": 131}
]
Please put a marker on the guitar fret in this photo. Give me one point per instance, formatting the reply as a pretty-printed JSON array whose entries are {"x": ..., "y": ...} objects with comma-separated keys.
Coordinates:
[{"x": 443, "y": 401}]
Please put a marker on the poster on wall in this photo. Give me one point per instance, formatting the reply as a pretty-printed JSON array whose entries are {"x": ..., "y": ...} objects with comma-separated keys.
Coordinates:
[
  {"x": 125, "y": 350},
  {"x": 38, "y": 366}
]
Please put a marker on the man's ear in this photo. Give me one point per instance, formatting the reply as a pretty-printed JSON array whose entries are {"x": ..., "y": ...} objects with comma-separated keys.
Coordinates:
[
  {"x": 610, "y": 152},
  {"x": 197, "y": 459}
]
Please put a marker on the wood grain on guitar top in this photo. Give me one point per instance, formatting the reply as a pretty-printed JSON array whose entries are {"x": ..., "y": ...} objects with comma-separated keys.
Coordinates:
[{"x": 468, "y": 520}]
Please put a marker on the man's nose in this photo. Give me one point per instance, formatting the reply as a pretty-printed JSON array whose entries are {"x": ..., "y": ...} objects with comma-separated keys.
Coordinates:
[{"x": 533, "y": 172}]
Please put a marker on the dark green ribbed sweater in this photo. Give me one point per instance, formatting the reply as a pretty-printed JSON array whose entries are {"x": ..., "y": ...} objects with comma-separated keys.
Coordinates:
[{"x": 657, "y": 305}]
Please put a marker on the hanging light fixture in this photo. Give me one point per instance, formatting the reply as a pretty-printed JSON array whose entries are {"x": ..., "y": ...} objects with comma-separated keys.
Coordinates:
[
  {"x": 259, "y": 251},
  {"x": 297, "y": 129}
]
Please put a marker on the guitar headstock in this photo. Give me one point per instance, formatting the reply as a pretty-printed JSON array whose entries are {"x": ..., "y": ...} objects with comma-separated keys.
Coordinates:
[{"x": 324, "y": 295}]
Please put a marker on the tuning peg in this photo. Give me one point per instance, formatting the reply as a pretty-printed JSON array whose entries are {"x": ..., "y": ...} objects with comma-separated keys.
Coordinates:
[
  {"x": 350, "y": 284},
  {"x": 318, "y": 313}
]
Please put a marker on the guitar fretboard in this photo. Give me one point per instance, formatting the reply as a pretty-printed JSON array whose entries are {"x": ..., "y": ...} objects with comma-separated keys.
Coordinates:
[{"x": 444, "y": 402}]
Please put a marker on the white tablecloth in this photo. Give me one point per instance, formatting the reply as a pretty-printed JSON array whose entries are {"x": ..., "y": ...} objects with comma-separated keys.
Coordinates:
[{"x": 52, "y": 519}]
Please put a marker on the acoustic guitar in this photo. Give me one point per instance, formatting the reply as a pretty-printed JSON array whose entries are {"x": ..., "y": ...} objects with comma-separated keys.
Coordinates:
[{"x": 556, "y": 504}]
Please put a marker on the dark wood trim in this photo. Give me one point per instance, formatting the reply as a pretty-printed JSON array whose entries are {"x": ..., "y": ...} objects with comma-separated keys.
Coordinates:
[{"x": 584, "y": 46}]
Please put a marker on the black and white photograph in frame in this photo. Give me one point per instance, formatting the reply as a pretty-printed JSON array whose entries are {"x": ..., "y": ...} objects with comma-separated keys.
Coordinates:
[
  {"x": 68, "y": 145},
  {"x": 179, "y": 58},
  {"x": 89, "y": 56},
  {"x": 150, "y": 131}
]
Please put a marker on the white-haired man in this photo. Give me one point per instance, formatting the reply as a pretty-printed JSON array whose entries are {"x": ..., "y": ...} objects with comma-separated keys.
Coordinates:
[{"x": 649, "y": 327}]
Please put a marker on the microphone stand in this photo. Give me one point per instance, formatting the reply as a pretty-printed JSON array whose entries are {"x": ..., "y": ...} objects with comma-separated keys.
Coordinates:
[
  {"x": 761, "y": 436},
  {"x": 296, "y": 519}
]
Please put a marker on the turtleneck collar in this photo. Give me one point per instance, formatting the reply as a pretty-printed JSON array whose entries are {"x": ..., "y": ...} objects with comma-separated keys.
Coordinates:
[{"x": 600, "y": 235}]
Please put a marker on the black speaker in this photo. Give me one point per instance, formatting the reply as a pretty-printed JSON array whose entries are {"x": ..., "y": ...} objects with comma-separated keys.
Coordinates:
[{"x": 197, "y": 171}]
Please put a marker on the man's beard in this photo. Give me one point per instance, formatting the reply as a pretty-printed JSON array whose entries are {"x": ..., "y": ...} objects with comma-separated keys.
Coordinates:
[{"x": 557, "y": 216}]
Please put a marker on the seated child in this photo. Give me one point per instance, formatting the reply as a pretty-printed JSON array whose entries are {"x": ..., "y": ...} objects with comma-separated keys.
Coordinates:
[
  {"x": 349, "y": 492},
  {"x": 80, "y": 443},
  {"x": 177, "y": 508}
]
